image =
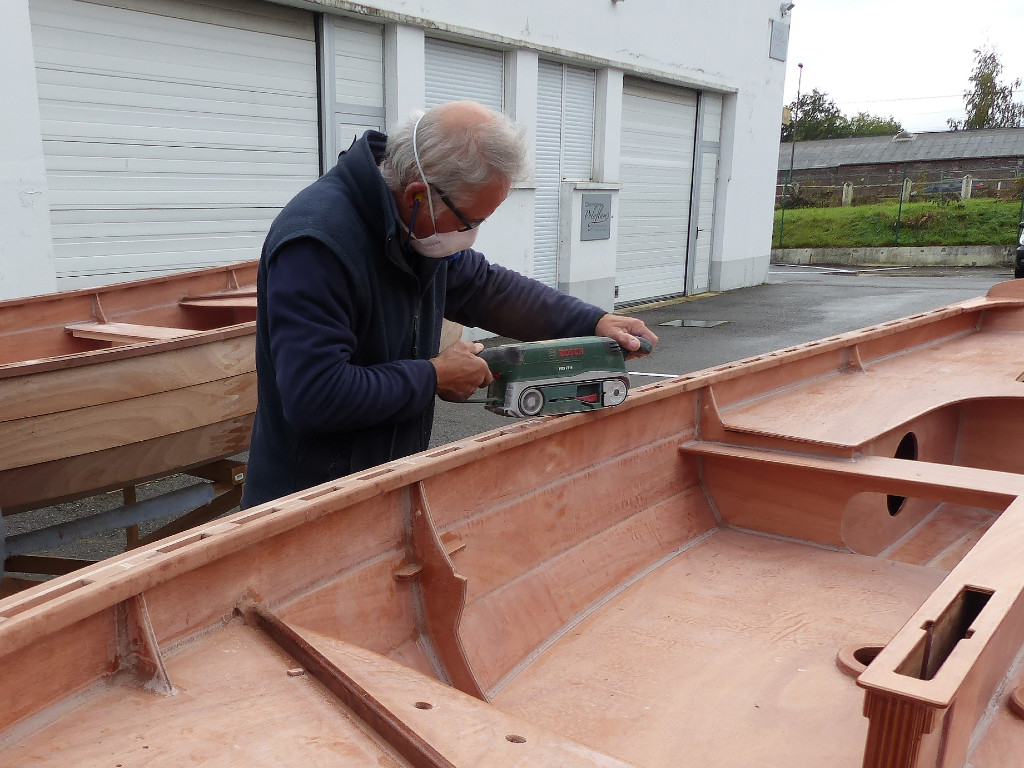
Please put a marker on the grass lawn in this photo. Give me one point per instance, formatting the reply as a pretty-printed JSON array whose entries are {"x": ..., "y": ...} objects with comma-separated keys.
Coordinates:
[{"x": 973, "y": 222}]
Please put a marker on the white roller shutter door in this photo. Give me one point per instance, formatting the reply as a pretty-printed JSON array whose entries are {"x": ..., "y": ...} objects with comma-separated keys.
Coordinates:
[
  {"x": 658, "y": 134},
  {"x": 565, "y": 150},
  {"x": 355, "y": 92},
  {"x": 453, "y": 72},
  {"x": 173, "y": 131}
]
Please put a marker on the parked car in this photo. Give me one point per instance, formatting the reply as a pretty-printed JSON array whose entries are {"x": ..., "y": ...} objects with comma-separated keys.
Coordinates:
[{"x": 950, "y": 187}]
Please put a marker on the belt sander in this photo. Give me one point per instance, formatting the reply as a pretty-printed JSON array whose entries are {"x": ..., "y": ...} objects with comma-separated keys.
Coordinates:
[{"x": 583, "y": 373}]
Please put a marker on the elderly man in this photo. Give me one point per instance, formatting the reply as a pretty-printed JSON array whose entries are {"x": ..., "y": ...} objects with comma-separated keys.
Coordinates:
[{"x": 356, "y": 274}]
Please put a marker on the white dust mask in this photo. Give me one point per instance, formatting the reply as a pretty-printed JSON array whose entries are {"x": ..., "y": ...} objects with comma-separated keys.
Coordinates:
[{"x": 440, "y": 245}]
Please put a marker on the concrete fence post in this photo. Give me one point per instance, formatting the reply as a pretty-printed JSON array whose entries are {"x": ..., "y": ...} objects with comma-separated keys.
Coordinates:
[
  {"x": 908, "y": 187},
  {"x": 847, "y": 194},
  {"x": 965, "y": 187}
]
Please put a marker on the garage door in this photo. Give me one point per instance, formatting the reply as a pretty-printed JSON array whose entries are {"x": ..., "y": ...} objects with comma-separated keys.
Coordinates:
[
  {"x": 173, "y": 131},
  {"x": 656, "y": 171}
]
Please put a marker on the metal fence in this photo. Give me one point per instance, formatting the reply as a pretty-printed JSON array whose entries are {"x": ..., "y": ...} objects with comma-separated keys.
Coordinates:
[
  {"x": 831, "y": 187},
  {"x": 902, "y": 184}
]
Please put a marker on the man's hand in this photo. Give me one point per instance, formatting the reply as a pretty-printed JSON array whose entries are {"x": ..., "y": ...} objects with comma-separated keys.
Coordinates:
[
  {"x": 460, "y": 372},
  {"x": 625, "y": 330}
]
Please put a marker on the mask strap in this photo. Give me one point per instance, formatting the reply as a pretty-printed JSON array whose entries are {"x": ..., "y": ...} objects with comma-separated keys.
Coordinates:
[
  {"x": 412, "y": 222},
  {"x": 416, "y": 157}
]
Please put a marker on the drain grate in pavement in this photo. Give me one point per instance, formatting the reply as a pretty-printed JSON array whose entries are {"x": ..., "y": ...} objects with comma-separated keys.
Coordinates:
[{"x": 695, "y": 323}]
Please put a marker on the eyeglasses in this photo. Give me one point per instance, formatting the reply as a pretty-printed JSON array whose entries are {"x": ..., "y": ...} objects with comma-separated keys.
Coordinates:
[{"x": 470, "y": 223}]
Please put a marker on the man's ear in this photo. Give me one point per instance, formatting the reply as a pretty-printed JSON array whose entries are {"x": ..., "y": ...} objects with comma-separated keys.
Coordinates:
[{"x": 417, "y": 191}]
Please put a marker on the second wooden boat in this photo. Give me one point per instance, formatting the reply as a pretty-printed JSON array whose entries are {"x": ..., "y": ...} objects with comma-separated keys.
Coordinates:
[{"x": 106, "y": 387}]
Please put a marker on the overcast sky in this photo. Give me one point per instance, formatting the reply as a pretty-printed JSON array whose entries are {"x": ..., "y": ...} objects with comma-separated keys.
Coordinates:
[{"x": 909, "y": 59}]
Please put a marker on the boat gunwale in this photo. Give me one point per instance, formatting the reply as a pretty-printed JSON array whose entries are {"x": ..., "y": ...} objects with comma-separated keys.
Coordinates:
[
  {"x": 74, "y": 359},
  {"x": 129, "y": 284},
  {"x": 113, "y": 580},
  {"x": 123, "y": 351}
]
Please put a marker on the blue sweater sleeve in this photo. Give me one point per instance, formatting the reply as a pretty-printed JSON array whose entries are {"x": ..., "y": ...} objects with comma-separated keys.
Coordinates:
[
  {"x": 505, "y": 302},
  {"x": 311, "y": 320}
]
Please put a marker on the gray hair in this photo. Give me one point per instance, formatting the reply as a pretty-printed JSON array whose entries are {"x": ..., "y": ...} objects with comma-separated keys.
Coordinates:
[{"x": 457, "y": 159}]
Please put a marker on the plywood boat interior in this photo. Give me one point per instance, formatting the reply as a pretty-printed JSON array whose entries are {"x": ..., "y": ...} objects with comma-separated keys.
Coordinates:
[
  {"x": 106, "y": 387},
  {"x": 669, "y": 582}
]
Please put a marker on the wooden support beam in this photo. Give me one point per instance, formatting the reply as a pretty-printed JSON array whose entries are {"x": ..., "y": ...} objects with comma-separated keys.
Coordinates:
[
  {"x": 131, "y": 533},
  {"x": 225, "y": 473},
  {"x": 11, "y": 585},
  {"x": 387, "y": 724},
  {"x": 45, "y": 564},
  {"x": 939, "y": 482}
]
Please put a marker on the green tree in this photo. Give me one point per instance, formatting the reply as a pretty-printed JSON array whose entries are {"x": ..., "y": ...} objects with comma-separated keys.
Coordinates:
[
  {"x": 816, "y": 116},
  {"x": 863, "y": 124},
  {"x": 989, "y": 103}
]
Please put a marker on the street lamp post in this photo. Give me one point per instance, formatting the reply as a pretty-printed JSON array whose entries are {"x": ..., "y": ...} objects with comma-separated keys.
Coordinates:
[{"x": 792, "y": 154}]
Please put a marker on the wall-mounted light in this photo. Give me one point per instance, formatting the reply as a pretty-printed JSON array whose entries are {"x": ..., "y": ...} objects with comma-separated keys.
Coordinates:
[{"x": 784, "y": 9}]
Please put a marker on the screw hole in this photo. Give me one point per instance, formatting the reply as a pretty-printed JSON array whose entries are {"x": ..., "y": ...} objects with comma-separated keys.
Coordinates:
[
  {"x": 424, "y": 705},
  {"x": 515, "y": 739}
]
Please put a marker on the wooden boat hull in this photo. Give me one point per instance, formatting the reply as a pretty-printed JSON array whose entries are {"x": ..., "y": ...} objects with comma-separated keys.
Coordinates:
[
  {"x": 667, "y": 582},
  {"x": 85, "y": 414}
]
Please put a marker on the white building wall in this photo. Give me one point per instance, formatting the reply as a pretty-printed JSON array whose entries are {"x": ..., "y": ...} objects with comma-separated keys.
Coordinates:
[
  {"x": 720, "y": 47},
  {"x": 26, "y": 249}
]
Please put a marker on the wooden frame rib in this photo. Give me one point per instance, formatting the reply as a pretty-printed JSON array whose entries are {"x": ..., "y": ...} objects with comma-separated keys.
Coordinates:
[{"x": 443, "y": 593}]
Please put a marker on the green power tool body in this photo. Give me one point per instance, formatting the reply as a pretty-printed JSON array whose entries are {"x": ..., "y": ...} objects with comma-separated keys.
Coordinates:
[{"x": 583, "y": 373}]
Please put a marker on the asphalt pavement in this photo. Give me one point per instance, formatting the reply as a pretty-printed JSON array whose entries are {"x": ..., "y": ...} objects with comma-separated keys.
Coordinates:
[{"x": 797, "y": 304}]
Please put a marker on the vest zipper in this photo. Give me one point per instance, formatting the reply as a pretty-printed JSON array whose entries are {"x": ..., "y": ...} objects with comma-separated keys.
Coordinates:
[{"x": 416, "y": 336}]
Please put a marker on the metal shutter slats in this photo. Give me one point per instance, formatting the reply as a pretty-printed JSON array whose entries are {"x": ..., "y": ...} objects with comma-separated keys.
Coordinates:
[
  {"x": 454, "y": 72},
  {"x": 173, "y": 131},
  {"x": 359, "y": 64},
  {"x": 658, "y": 134}
]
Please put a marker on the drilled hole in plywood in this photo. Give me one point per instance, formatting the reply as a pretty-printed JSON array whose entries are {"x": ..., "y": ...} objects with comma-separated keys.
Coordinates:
[
  {"x": 515, "y": 738},
  {"x": 907, "y": 450},
  {"x": 854, "y": 659},
  {"x": 423, "y": 705}
]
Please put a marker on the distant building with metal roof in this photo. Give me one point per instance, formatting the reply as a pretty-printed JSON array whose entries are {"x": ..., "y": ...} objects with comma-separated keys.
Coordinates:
[
  {"x": 878, "y": 165},
  {"x": 905, "y": 147}
]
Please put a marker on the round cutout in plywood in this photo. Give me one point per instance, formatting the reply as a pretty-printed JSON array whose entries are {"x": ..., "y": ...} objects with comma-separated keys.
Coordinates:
[{"x": 854, "y": 659}]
